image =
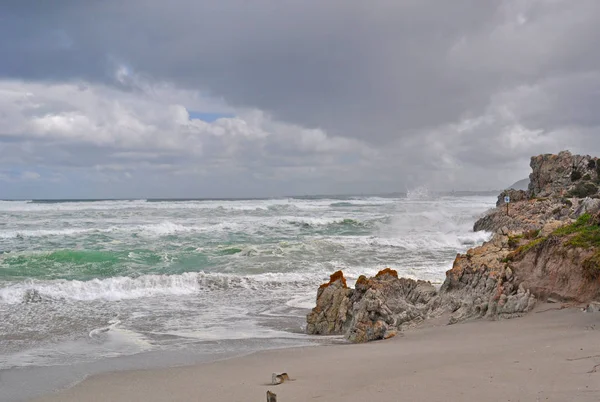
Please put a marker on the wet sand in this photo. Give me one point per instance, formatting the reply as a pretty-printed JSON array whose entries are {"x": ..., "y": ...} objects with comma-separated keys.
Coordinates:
[{"x": 549, "y": 355}]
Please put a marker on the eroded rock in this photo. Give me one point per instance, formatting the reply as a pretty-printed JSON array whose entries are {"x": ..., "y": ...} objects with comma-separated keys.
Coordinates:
[
  {"x": 384, "y": 304},
  {"x": 531, "y": 255},
  {"x": 331, "y": 316},
  {"x": 376, "y": 309}
]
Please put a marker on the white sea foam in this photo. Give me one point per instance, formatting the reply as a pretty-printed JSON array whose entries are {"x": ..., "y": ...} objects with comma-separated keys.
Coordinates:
[
  {"x": 156, "y": 229},
  {"x": 418, "y": 193},
  {"x": 288, "y": 247},
  {"x": 122, "y": 288},
  {"x": 116, "y": 288}
]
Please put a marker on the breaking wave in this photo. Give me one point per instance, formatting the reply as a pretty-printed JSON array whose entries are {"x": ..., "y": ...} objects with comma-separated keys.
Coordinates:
[
  {"x": 158, "y": 229},
  {"x": 122, "y": 288}
]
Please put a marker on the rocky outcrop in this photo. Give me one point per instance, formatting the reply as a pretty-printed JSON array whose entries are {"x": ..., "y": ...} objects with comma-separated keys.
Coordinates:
[
  {"x": 528, "y": 215},
  {"x": 384, "y": 304},
  {"x": 546, "y": 246},
  {"x": 562, "y": 187},
  {"x": 375, "y": 309},
  {"x": 563, "y": 264},
  {"x": 515, "y": 196},
  {"x": 332, "y": 315},
  {"x": 480, "y": 284},
  {"x": 564, "y": 175},
  {"x": 554, "y": 270}
]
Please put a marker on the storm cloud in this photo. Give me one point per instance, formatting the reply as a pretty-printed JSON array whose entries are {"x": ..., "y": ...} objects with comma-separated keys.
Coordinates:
[{"x": 326, "y": 96}]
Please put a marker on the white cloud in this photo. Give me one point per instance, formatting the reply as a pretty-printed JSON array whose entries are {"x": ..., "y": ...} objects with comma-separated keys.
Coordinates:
[
  {"x": 27, "y": 175},
  {"x": 112, "y": 135}
]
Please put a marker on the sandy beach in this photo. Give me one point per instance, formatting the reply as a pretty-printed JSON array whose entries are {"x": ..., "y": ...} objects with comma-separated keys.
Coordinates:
[{"x": 549, "y": 355}]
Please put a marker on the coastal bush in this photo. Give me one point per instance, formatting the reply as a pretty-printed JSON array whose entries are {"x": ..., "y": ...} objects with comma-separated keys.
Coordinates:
[
  {"x": 592, "y": 164},
  {"x": 521, "y": 250},
  {"x": 576, "y": 226},
  {"x": 513, "y": 241},
  {"x": 591, "y": 266},
  {"x": 576, "y": 175},
  {"x": 584, "y": 189},
  {"x": 586, "y": 232},
  {"x": 587, "y": 177},
  {"x": 534, "y": 243},
  {"x": 531, "y": 234}
]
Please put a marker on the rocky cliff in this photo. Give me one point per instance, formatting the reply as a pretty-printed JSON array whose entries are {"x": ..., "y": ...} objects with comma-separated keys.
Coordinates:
[
  {"x": 564, "y": 175},
  {"x": 546, "y": 246}
]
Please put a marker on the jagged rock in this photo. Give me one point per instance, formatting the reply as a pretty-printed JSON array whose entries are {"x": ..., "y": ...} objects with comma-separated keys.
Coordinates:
[
  {"x": 480, "y": 285},
  {"x": 552, "y": 270},
  {"x": 515, "y": 196},
  {"x": 528, "y": 258},
  {"x": 550, "y": 227},
  {"x": 376, "y": 309},
  {"x": 558, "y": 175},
  {"x": 531, "y": 214},
  {"x": 331, "y": 316},
  {"x": 588, "y": 206},
  {"x": 385, "y": 303}
]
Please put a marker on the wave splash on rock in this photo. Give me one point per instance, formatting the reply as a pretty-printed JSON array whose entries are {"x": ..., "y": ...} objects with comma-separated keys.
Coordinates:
[{"x": 545, "y": 246}]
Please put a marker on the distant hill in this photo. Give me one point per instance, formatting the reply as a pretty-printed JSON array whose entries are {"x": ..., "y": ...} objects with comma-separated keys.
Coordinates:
[{"x": 520, "y": 185}]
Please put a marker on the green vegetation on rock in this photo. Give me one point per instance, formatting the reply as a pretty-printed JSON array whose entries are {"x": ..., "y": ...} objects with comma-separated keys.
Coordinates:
[
  {"x": 591, "y": 266},
  {"x": 580, "y": 223},
  {"x": 583, "y": 189},
  {"x": 585, "y": 233}
]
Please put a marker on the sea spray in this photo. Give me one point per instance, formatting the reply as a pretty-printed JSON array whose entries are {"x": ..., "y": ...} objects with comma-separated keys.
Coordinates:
[{"x": 177, "y": 274}]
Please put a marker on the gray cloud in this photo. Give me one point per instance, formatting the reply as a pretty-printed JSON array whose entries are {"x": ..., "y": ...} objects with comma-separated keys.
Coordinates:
[{"x": 452, "y": 94}]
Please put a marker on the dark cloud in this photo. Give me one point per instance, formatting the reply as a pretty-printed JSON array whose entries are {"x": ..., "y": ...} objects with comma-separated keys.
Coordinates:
[
  {"x": 441, "y": 91},
  {"x": 372, "y": 70}
]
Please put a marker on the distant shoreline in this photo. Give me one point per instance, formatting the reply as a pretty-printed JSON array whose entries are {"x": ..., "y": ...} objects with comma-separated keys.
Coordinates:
[{"x": 461, "y": 193}]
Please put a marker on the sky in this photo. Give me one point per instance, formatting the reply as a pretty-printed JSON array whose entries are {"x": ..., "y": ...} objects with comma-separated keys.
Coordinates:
[{"x": 239, "y": 98}]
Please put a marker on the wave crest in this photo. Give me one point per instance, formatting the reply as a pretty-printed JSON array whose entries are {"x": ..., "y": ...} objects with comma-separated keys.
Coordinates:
[{"x": 123, "y": 288}]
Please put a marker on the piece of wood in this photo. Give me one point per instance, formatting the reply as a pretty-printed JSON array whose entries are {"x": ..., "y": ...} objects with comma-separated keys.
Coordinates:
[{"x": 277, "y": 379}]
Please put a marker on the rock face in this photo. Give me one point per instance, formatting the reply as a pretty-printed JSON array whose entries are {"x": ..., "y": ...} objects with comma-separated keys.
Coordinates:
[
  {"x": 555, "y": 270},
  {"x": 331, "y": 316},
  {"x": 515, "y": 196},
  {"x": 528, "y": 215},
  {"x": 481, "y": 285},
  {"x": 376, "y": 309},
  {"x": 385, "y": 303},
  {"x": 547, "y": 246},
  {"x": 564, "y": 175}
]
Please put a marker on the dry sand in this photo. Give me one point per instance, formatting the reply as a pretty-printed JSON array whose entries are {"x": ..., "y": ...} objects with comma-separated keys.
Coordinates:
[{"x": 546, "y": 356}]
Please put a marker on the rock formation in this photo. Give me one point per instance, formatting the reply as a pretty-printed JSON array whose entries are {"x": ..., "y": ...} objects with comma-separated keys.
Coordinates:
[
  {"x": 331, "y": 316},
  {"x": 546, "y": 247},
  {"x": 564, "y": 175},
  {"x": 515, "y": 196},
  {"x": 375, "y": 309}
]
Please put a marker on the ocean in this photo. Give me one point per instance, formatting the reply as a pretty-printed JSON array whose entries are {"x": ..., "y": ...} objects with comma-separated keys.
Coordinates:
[{"x": 93, "y": 285}]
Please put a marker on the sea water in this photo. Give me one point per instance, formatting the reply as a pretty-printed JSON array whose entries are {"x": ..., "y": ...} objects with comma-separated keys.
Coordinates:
[{"x": 87, "y": 281}]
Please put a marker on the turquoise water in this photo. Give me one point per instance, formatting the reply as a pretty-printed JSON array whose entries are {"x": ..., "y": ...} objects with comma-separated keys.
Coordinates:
[{"x": 82, "y": 281}]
